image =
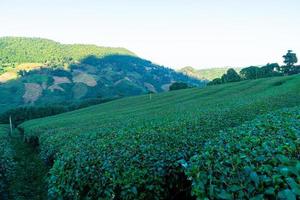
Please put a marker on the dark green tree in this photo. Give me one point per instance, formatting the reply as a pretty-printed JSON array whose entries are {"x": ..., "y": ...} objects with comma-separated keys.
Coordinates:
[
  {"x": 231, "y": 76},
  {"x": 178, "y": 86},
  {"x": 271, "y": 70},
  {"x": 290, "y": 59},
  {"x": 254, "y": 72},
  {"x": 251, "y": 73},
  {"x": 215, "y": 81}
]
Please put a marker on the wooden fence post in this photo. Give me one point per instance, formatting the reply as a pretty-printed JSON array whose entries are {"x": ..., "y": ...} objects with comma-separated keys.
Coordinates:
[{"x": 10, "y": 124}]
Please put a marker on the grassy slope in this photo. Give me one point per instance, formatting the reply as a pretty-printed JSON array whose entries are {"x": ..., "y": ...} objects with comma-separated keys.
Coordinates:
[{"x": 170, "y": 127}]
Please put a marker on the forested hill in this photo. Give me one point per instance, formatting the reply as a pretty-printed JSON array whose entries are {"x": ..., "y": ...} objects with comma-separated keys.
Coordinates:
[
  {"x": 17, "y": 50},
  {"x": 39, "y": 71}
]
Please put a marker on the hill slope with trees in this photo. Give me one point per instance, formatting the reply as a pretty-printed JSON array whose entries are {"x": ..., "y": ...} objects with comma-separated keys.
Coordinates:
[
  {"x": 254, "y": 72},
  {"x": 205, "y": 74},
  {"x": 61, "y": 73},
  {"x": 17, "y": 50}
]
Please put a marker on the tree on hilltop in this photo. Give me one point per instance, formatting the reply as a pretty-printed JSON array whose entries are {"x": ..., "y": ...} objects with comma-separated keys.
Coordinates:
[
  {"x": 252, "y": 72},
  {"x": 290, "y": 59},
  {"x": 231, "y": 76}
]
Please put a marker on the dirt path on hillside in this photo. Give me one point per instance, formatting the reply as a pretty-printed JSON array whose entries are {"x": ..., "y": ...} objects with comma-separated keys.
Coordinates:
[{"x": 29, "y": 181}]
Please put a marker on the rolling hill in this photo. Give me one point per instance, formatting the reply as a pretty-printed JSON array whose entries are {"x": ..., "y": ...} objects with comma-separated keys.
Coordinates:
[
  {"x": 156, "y": 148},
  {"x": 205, "y": 74},
  {"x": 39, "y": 71},
  {"x": 17, "y": 50}
]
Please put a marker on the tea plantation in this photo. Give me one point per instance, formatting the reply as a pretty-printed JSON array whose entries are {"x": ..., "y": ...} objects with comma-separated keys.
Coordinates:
[
  {"x": 161, "y": 147},
  {"x": 260, "y": 159},
  {"x": 7, "y": 164}
]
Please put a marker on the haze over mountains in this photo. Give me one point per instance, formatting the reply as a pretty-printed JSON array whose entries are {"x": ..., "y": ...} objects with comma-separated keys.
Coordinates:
[
  {"x": 36, "y": 71},
  {"x": 205, "y": 74}
]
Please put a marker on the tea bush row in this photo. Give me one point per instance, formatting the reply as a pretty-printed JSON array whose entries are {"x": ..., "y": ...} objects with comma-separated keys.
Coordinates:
[
  {"x": 6, "y": 159},
  {"x": 130, "y": 148},
  {"x": 259, "y": 160}
]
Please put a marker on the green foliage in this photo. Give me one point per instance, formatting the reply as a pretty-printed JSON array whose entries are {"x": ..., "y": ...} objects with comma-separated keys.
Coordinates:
[
  {"x": 250, "y": 73},
  {"x": 132, "y": 148},
  {"x": 260, "y": 72},
  {"x": 205, "y": 74},
  {"x": 178, "y": 86},
  {"x": 16, "y": 50},
  {"x": 29, "y": 179},
  {"x": 112, "y": 77},
  {"x": 7, "y": 164},
  {"x": 231, "y": 76},
  {"x": 24, "y": 113},
  {"x": 254, "y": 72},
  {"x": 216, "y": 81},
  {"x": 259, "y": 159},
  {"x": 270, "y": 70},
  {"x": 290, "y": 58}
]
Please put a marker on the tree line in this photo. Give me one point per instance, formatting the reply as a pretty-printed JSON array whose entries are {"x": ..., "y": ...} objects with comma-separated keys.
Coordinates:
[
  {"x": 254, "y": 72},
  {"x": 17, "y": 50},
  {"x": 24, "y": 113}
]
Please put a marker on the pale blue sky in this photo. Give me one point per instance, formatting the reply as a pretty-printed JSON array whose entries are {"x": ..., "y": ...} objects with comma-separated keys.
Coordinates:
[{"x": 174, "y": 33}]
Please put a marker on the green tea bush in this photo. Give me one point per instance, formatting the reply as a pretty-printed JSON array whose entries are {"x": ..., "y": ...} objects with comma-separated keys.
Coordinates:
[
  {"x": 6, "y": 159},
  {"x": 131, "y": 148},
  {"x": 259, "y": 160}
]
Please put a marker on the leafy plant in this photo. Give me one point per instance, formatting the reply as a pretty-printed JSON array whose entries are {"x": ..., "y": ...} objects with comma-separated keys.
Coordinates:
[
  {"x": 6, "y": 159},
  {"x": 132, "y": 148},
  {"x": 259, "y": 159}
]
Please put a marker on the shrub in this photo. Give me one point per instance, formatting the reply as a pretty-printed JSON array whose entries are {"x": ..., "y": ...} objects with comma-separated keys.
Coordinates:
[
  {"x": 178, "y": 86},
  {"x": 6, "y": 159},
  {"x": 259, "y": 159}
]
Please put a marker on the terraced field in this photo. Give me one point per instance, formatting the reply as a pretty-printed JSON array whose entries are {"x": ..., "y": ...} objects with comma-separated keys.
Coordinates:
[{"x": 140, "y": 147}]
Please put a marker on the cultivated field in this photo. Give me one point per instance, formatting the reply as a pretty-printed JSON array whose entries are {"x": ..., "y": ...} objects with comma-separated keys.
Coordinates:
[
  {"x": 6, "y": 160},
  {"x": 141, "y": 147}
]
